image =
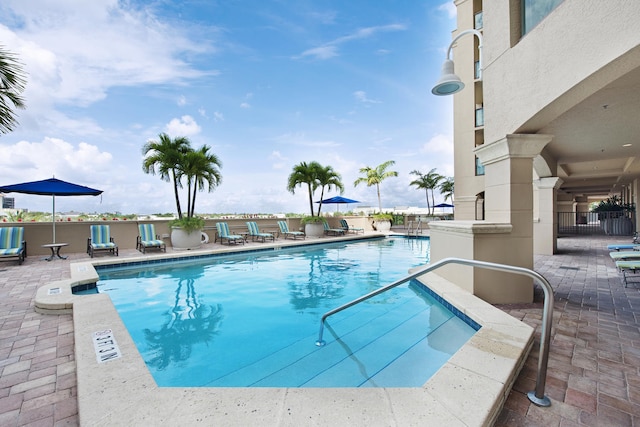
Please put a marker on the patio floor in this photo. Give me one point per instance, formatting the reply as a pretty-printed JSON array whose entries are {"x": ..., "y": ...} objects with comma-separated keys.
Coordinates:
[{"x": 593, "y": 377}]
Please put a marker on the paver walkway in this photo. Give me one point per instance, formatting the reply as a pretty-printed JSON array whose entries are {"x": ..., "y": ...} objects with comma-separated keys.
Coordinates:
[{"x": 593, "y": 377}]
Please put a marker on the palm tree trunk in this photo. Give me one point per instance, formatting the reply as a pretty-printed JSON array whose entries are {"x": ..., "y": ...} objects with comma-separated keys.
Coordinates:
[
  {"x": 433, "y": 202},
  {"x": 320, "y": 204},
  {"x": 379, "y": 200},
  {"x": 310, "y": 198},
  {"x": 426, "y": 193},
  {"x": 175, "y": 191},
  {"x": 189, "y": 213},
  {"x": 193, "y": 202}
]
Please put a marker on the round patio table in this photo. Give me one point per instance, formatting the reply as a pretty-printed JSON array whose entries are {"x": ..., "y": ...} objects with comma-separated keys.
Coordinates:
[{"x": 55, "y": 250}]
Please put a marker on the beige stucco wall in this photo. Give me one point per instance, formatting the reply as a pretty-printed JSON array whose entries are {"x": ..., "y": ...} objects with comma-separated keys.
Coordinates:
[
  {"x": 483, "y": 241},
  {"x": 551, "y": 69},
  {"x": 125, "y": 233},
  {"x": 467, "y": 184}
]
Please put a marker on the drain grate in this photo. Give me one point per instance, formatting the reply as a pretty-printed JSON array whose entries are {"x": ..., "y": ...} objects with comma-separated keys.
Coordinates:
[{"x": 569, "y": 268}]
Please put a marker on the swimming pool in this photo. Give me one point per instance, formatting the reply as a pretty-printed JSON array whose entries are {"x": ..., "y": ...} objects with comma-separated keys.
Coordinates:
[{"x": 251, "y": 319}]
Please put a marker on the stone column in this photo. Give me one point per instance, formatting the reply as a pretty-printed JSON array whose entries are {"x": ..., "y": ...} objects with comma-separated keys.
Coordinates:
[
  {"x": 545, "y": 241},
  {"x": 506, "y": 235}
]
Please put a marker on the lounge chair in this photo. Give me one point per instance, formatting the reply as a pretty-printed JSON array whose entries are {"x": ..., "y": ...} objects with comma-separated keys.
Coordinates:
[
  {"x": 222, "y": 229},
  {"x": 627, "y": 266},
  {"x": 284, "y": 229},
  {"x": 332, "y": 231},
  {"x": 348, "y": 228},
  {"x": 624, "y": 247},
  {"x": 255, "y": 233},
  {"x": 12, "y": 243},
  {"x": 101, "y": 240},
  {"x": 624, "y": 255},
  {"x": 149, "y": 239}
]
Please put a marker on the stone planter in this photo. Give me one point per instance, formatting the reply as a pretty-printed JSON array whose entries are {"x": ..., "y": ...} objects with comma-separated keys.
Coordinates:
[
  {"x": 314, "y": 229},
  {"x": 383, "y": 226},
  {"x": 182, "y": 240}
]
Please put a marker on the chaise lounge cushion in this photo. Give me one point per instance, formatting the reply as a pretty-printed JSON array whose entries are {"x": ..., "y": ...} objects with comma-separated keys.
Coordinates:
[
  {"x": 101, "y": 240},
  {"x": 12, "y": 244},
  {"x": 149, "y": 239}
]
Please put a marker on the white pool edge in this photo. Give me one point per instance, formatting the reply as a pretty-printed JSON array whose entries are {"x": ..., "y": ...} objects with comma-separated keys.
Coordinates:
[{"x": 469, "y": 390}]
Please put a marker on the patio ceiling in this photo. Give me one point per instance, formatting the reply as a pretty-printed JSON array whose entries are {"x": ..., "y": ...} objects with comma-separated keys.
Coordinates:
[{"x": 596, "y": 143}]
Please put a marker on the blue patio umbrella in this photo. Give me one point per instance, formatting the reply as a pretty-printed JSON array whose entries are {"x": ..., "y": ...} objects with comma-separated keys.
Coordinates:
[
  {"x": 443, "y": 205},
  {"x": 51, "y": 187},
  {"x": 338, "y": 200}
]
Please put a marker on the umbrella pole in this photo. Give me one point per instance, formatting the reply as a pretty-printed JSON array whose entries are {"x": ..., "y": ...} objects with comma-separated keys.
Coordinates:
[{"x": 53, "y": 218}]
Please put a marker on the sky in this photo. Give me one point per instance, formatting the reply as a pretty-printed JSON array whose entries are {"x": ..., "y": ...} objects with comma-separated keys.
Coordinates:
[{"x": 265, "y": 84}]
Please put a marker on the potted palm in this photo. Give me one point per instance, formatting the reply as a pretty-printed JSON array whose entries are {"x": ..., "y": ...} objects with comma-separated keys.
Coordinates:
[
  {"x": 176, "y": 161},
  {"x": 313, "y": 175},
  {"x": 313, "y": 226},
  {"x": 382, "y": 222}
]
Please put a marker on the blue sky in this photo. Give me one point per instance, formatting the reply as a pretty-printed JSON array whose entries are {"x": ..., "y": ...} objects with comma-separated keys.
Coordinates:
[{"x": 266, "y": 84}]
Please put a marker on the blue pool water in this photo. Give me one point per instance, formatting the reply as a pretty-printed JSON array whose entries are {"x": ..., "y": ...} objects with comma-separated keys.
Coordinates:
[{"x": 251, "y": 320}]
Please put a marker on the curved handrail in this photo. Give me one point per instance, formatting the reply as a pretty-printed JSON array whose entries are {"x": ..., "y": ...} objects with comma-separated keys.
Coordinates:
[{"x": 537, "y": 396}]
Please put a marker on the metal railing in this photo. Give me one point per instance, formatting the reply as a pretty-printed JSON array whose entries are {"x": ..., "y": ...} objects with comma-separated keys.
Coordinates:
[
  {"x": 536, "y": 396},
  {"x": 417, "y": 230},
  {"x": 616, "y": 223}
]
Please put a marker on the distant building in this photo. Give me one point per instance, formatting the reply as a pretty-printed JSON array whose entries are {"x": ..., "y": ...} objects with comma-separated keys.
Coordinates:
[{"x": 8, "y": 202}]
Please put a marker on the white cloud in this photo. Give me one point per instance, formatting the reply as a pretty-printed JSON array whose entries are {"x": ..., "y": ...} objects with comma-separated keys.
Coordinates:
[
  {"x": 439, "y": 144},
  {"x": 361, "y": 96},
  {"x": 182, "y": 101},
  {"x": 245, "y": 105},
  {"x": 330, "y": 49},
  {"x": 450, "y": 8},
  {"x": 322, "y": 52},
  {"x": 74, "y": 52},
  {"x": 184, "y": 126},
  {"x": 53, "y": 156},
  {"x": 218, "y": 116}
]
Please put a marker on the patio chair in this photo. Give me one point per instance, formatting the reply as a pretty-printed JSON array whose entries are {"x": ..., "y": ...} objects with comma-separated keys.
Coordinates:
[
  {"x": 628, "y": 266},
  {"x": 624, "y": 247},
  {"x": 149, "y": 239},
  {"x": 12, "y": 243},
  {"x": 284, "y": 229},
  {"x": 255, "y": 233},
  {"x": 101, "y": 240},
  {"x": 347, "y": 228},
  {"x": 625, "y": 255},
  {"x": 332, "y": 231},
  {"x": 222, "y": 229}
]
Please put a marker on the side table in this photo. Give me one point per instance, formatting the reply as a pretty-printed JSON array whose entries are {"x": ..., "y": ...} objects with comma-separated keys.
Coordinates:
[{"x": 55, "y": 250}]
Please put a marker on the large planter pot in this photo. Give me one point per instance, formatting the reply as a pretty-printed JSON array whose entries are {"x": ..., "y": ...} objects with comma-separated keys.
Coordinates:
[
  {"x": 383, "y": 226},
  {"x": 184, "y": 240},
  {"x": 314, "y": 229}
]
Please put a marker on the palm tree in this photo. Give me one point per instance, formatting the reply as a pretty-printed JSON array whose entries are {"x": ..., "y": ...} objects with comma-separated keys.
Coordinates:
[
  {"x": 304, "y": 173},
  {"x": 428, "y": 181},
  {"x": 328, "y": 178},
  {"x": 12, "y": 84},
  {"x": 165, "y": 155},
  {"x": 446, "y": 188},
  {"x": 201, "y": 169},
  {"x": 376, "y": 176}
]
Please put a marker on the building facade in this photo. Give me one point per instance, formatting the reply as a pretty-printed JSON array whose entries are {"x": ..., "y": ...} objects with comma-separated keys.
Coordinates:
[{"x": 552, "y": 125}]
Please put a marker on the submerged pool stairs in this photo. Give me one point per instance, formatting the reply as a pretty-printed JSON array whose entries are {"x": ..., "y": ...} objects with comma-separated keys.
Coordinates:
[{"x": 367, "y": 346}]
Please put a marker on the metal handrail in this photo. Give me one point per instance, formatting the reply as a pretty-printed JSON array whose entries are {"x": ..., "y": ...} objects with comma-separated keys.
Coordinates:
[
  {"x": 536, "y": 396},
  {"x": 418, "y": 227}
]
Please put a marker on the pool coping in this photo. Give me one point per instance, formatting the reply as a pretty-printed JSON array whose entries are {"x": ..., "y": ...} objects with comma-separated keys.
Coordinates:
[{"x": 470, "y": 389}]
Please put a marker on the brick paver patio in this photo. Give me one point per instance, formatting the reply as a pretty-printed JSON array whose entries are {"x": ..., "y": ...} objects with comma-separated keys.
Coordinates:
[{"x": 593, "y": 377}]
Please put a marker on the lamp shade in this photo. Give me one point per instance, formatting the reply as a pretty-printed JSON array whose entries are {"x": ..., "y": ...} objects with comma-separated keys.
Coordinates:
[{"x": 449, "y": 82}]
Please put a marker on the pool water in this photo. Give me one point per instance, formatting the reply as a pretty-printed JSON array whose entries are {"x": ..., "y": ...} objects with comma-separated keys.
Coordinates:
[{"x": 251, "y": 320}]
